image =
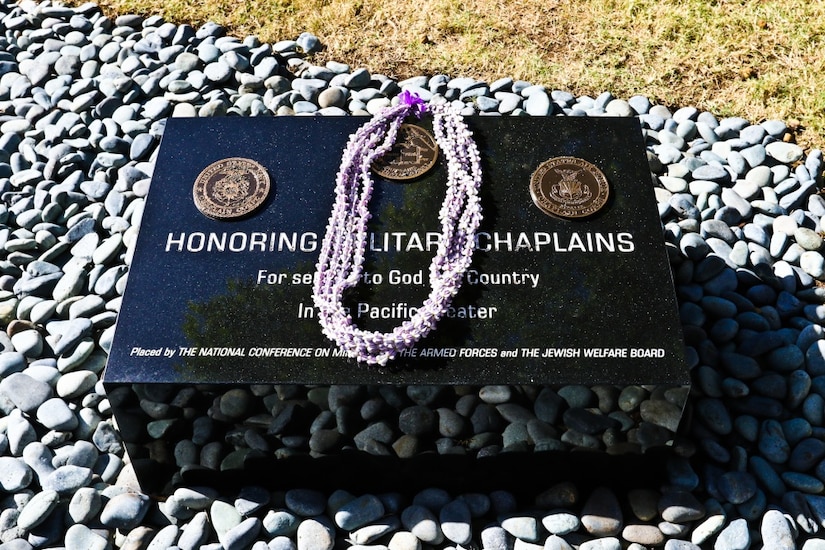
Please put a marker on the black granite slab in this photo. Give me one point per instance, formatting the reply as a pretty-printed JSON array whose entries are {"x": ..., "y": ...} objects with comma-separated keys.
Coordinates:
[
  {"x": 547, "y": 300},
  {"x": 188, "y": 366}
]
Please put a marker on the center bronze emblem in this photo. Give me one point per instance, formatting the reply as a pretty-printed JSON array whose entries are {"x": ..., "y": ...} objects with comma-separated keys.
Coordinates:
[{"x": 415, "y": 151}]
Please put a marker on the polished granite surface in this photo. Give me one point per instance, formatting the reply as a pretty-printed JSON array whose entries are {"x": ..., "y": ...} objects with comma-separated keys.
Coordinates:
[{"x": 546, "y": 301}]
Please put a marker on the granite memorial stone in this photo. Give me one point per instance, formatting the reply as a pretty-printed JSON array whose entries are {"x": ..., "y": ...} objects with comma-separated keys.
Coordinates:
[
  {"x": 575, "y": 292},
  {"x": 570, "y": 282}
]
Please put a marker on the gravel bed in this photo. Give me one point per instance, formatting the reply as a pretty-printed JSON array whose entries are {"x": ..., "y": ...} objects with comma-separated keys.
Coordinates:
[{"x": 83, "y": 101}]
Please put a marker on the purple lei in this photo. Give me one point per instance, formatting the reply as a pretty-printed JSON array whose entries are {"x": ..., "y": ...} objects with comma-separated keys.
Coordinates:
[
  {"x": 417, "y": 105},
  {"x": 340, "y": 263}
]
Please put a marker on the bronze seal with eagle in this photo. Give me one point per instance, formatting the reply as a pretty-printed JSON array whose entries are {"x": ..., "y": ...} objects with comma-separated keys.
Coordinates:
[{"x": 569, "y": 187}]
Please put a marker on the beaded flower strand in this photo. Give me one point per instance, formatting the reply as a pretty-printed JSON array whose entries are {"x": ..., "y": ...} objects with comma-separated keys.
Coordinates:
[{"x": 341, "y": 260}]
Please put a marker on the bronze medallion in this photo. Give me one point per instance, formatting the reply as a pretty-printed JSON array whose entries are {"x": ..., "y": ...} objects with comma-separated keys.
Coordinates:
[
  {"x": 569, "y": 187},
  {"x": 414, "y": 153},
  {"x": 231, "y": 188}
]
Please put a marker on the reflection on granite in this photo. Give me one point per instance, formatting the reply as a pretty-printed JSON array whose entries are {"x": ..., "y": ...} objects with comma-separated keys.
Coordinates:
[{"x": 412, "y": 436}]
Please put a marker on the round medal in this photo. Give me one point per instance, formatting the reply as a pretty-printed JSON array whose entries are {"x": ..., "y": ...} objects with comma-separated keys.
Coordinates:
[
  {"x": 231, "y": 188},
  {"x": 413, "y": 154},
  {"x": 569, "y": 187}
]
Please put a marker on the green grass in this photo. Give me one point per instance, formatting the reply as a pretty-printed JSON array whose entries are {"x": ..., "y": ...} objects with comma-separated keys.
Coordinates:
[{"x": 753, "y": 58}]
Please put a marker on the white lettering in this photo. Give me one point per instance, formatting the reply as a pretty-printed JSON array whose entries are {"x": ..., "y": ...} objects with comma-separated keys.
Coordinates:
[
  {"x": 402, "y": 310},
  {"x": 647, "y": 352},
  {"x": 195, "y": 242},
  {"x": 282, "y": 352},
  {"x": 237, "y": 242},
  {"x": 171, "y": 241},
  {"x": 396, "y": 277},
  {"x": 257, "y": 241},
  {"x": 217, "y": 242},
  {"x": 605, "y": 352},
  {"x": 475, "y": 277},
  {"x": 505, "y": 241},
  {"x": 565, "y": 353}
]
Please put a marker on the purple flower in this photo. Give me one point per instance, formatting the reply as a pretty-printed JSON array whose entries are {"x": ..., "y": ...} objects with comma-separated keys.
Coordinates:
[{"x": 419, "y": 108}]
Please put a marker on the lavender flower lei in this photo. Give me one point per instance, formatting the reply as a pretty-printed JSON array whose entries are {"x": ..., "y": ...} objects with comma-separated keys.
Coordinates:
[{"x": 341, "y": 260}]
